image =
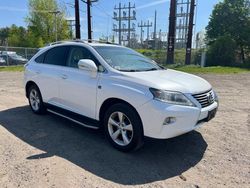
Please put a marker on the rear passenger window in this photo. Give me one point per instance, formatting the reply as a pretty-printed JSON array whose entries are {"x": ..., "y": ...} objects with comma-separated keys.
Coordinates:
[{"x": 57, "y": 56}]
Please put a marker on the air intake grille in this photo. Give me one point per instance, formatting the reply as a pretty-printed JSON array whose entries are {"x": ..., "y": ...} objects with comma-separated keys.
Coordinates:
[{"x": 205, "y": 99}]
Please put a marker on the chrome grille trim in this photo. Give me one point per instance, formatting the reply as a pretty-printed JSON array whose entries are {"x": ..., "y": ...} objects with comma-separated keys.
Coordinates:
[{"x": 205, "y": 99}]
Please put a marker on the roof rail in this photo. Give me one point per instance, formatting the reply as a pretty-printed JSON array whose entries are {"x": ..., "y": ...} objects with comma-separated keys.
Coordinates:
[
  {"x": 82, "y": 41},
  {"x": 97, "y": 41}
]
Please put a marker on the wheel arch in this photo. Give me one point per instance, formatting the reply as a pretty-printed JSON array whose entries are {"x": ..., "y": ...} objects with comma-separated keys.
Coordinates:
[
  {"x": 28, "y": 85},
  {"x": 112, "y": 101}
]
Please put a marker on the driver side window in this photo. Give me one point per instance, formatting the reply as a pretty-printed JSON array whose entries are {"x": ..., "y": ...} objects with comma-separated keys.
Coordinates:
[{"x": 77, "y": 53}]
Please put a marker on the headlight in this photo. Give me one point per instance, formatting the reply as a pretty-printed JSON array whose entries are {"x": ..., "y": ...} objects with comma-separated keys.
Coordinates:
[
  {"x": 171, "y": 97},
  {"x": 216, "y": 97}
]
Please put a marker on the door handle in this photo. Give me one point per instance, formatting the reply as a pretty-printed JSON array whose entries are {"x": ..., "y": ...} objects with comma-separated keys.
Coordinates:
[
  {"x": 64, "y": 77},
  {"x": 38, "y": 72}
]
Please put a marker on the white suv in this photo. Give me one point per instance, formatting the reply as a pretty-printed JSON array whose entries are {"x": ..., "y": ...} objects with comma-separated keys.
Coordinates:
[{"x": 115, "y": 88}]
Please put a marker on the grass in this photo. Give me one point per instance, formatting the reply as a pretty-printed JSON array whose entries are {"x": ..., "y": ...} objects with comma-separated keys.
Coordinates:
[
  {"x": 209, "y": 70},
  {"x": 19, "y": 68},
  {"x": 189, "y": 69}
]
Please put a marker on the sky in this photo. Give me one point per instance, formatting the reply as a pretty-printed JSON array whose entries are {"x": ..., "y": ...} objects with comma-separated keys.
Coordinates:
[{"x": 15, "y": 11}]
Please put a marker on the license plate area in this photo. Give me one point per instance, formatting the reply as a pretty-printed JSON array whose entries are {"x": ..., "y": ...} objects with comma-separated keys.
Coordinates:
[{"x": 211, "y": 114}]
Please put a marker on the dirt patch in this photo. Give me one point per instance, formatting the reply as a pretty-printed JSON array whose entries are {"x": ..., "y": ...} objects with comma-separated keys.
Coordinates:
[{"x": 47, "y": 151}]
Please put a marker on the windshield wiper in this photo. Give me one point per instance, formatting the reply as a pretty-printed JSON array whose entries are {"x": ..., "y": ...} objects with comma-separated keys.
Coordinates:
[
  {"x": 153, "y": 69},
  {"x": 130, "y": 70}
]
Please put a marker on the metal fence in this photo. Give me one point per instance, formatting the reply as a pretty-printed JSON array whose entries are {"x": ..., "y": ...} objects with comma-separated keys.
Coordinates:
[{"x": 21, "y": 52}]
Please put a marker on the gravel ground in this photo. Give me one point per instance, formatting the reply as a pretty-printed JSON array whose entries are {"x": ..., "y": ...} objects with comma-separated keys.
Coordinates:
[{"x": 47, "y": 151}]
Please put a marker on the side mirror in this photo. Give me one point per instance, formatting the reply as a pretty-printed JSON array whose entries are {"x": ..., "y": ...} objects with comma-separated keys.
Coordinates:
[{"x": 88, "y": 65}]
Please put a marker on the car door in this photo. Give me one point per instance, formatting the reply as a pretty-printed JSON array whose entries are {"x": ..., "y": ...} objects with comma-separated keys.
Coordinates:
[
  {"x": 47, "y": 70},
  {"x": 77, "y": 87}
]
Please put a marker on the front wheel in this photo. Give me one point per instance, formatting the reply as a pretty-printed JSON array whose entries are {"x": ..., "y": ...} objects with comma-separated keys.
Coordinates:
[{"x": 123, "y": 127}]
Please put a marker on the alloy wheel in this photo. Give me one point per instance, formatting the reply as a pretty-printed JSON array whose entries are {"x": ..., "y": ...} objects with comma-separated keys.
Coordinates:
[
  {"x": 120, "y": 128},
  {"x": 34, "y": 100}
]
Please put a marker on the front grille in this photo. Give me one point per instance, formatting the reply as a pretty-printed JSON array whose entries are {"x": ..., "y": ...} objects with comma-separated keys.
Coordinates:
[{"x": 205, "y": 99}]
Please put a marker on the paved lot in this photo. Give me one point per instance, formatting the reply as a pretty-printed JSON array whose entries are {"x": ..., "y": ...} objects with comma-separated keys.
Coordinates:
[{"x": 47, "y": 151}]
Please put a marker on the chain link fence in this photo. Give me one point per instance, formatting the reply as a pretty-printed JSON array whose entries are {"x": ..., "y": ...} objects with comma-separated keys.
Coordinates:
[{"x": 15, "y": 55}]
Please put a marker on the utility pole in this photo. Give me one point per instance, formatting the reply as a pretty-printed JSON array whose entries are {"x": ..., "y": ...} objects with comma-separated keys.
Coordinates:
[
  {"x": 171, "y": 32},
  {"x": 190, "y": 33},
  {"x": 71, "y": 24},
  {"x": 148, "y": 26},
  {"x": 155, "y": 24},
  {"x": 89, "y": 17},
  {"x": 145, "y": 25},
  {"x": 129, "y": 14},
  {"x": 77, "y": 18},
  {"x": 141, "y": 26},
  {"x": 120, "y": 23},
  {"x": 56, "y": 12},
  {"x": 89, "y": 20}
]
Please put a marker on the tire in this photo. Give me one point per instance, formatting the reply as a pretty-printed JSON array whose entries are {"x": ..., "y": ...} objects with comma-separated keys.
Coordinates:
[
  {"x": 123, "y": 128},
  {"x": 35, "y": 100}
]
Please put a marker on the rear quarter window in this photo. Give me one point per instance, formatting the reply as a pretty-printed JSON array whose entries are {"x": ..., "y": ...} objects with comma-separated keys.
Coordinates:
[
  {"x": 40, "y": 58},
  {"x": 57, "y": 56}
]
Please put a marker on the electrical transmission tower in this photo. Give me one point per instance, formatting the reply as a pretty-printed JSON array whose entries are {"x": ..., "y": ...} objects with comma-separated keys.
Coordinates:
[
  {"x": 71, "y": 24},
  {"x": 181, "y": 23},
  {"x": 145, "y": 25},
  {"x": 171, "y": 32},
  {"x": 122, "y": 15},
  {"x": 56, "y": 12},
  {"x": 190, "y": 33}
]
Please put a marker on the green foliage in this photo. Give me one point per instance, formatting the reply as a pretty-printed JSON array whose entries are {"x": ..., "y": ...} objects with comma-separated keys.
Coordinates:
[
  {"x": 160, "y": 56},
  {"x": 222, "y": 52},
  {"x": 41, "y": 26},
  {"x": 4, "y": 33},
  {"x": 14, "y": 35},
  {"x": 230, "y": 20},
  {"x": 41, "y": 22},
  {"x": 193, "y": 69}
]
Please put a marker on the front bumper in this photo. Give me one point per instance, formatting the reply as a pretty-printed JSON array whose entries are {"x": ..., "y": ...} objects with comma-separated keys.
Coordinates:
[{"x": 154, "y": 113}]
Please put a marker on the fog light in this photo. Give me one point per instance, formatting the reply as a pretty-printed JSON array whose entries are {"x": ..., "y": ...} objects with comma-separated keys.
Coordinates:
[{"x": 169, "y": 120}]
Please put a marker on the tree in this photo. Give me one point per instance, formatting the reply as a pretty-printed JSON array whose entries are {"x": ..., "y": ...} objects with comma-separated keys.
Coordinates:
[
  {"x": 231, "y": 19},
  {"x": 44, "y": 24},
  {"x": 4, "y": 33},
  {"x": 222, "y": 52},
  {"x": 14, "y": 36}
]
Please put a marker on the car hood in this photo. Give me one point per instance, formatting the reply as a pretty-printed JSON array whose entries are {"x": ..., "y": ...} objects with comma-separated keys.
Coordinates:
[{"x": 169, "y": 80}]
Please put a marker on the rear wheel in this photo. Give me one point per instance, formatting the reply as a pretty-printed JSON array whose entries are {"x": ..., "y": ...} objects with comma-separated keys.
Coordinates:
[
  {"x": 35, "y": 100},
  {"x": 123, "y": 127}
]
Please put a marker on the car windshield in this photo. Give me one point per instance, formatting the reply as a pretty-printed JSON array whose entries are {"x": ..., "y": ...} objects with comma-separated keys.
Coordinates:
[{"x": 125, "y": 59}]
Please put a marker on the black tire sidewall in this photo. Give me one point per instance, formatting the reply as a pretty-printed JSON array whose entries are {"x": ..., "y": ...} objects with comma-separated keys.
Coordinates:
[{"x": 137, "y": 140}]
